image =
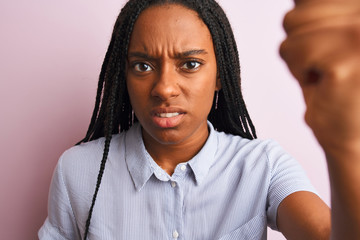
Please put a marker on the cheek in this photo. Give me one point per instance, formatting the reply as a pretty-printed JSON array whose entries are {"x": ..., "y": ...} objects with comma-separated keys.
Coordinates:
[
  {"x": 203, "y": 92},
  {"x": 134, "y": 92}
]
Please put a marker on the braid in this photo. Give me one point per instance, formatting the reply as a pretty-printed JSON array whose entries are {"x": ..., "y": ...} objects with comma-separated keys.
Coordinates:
[
  {"x": 108, "y": 135},
  {"x": 99, "y": 178},
  {"x": 113, "y": 112},
  {"x": 110, "y": 95},
  {"x": 231, "y": 115}
]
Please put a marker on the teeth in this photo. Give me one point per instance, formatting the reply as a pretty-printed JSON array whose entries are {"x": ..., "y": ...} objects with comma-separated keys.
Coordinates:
[{"x": 167, "y": 115}]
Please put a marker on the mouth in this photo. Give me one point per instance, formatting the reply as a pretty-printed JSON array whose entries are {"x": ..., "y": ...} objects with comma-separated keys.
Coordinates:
[{"x": 167, "y": 117}]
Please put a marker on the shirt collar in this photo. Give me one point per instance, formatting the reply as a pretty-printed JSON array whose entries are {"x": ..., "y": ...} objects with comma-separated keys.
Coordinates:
[
  {"x": 201, "y": 162},
  {"x": 136, "y": 157},
  {"x": 140, "y": 164}
]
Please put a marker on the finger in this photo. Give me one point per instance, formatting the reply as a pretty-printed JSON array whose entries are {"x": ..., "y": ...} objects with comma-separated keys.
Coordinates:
[
  {"x": 333, "y": 101},
  {"x": 315, "y": 15},
  {"x": 301, "y": 2},
  {"x": 304, "y": 52},
  {"x": 333, "y": 104}
]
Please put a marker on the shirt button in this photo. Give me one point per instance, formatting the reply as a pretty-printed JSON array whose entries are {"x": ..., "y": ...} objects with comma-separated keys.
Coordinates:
[
  {"x": 173, "y": 184},
  {"x": 183, "y": 167},
  {"x": 175, "y": 234}
]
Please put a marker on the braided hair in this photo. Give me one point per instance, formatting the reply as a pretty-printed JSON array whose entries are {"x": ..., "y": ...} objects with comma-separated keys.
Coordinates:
[{"x": 113, "y": 112}]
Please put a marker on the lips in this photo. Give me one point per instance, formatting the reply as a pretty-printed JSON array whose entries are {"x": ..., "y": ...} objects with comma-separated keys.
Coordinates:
[{"x": 167, "y": 117}]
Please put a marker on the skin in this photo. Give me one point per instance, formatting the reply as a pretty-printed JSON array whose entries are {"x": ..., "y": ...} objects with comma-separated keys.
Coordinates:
[
  {"x": 322, "y": 50},
  {"x": 172, "y": 69}
]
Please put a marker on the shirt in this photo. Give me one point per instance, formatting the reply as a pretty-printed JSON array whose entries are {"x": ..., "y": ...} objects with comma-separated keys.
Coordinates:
[{"x": 230, "y": 190}]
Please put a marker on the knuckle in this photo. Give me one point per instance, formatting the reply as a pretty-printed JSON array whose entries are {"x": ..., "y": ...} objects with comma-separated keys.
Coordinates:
[
  {"x": 308, "y": 118},
  {"x": 283, "y": 49},
  {"x": 335, "y": 73},
  {"x": 339, "y": 70},
  {"x": 288, "y": 21}
]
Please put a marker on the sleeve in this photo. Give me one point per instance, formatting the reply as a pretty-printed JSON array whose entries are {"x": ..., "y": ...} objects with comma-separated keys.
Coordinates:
[
  {"x": 287, "y": 177},
  {"x": 60, "y": 223}
]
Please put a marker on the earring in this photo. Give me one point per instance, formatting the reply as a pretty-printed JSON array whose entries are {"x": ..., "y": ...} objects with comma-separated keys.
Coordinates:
[
  {"x": 132, "y": 117},
  {"x": 216, "y": 99}
]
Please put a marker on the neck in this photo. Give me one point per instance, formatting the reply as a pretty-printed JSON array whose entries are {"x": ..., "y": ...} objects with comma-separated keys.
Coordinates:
[{"x": 168, "y": 156}]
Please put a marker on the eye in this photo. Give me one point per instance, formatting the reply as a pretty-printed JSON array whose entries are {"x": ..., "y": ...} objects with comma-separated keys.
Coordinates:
[
  {"x": 142, "y": 67},
  {"x": 191, "y": 65}
]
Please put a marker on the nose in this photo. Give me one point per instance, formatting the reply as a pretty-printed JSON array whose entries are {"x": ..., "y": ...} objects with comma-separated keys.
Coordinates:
[{"x": 166, "y": 85}]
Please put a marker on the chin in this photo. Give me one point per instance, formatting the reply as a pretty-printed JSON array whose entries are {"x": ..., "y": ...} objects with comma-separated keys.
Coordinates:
[{"x": 168, "y": 137}]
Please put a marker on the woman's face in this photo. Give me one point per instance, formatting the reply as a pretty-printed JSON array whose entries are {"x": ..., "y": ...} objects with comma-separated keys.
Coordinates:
[{"x": 171, "y": 74}]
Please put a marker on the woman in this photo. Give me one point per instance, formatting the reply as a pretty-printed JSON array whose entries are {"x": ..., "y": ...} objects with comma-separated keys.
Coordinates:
[{"x": 183, "y": 161}]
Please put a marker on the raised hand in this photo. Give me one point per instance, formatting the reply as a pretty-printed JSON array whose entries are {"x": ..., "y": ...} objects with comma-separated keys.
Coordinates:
[{"x": 322, "y": 50}]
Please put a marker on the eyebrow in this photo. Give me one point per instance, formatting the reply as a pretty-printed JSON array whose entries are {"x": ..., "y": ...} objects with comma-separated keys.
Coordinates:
[
  {"x": 191, "y": 52},
  {"x": 177, "y": 55}
]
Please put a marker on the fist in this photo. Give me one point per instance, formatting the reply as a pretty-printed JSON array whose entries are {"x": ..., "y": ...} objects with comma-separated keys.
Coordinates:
[{"x": 322, "y": 51}]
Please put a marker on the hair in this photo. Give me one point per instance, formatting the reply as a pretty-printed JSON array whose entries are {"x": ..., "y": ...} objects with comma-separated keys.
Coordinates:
[{"x": 113, "y": 112}]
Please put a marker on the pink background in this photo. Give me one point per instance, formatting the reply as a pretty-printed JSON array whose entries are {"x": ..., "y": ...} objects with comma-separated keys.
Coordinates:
[{"x": 51, "y": 54}]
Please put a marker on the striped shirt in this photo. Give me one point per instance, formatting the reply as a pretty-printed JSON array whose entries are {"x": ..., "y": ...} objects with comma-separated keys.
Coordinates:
[{"x": 230, "y": 190}]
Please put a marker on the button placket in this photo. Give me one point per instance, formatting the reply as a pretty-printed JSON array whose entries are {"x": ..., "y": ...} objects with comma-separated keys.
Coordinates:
[
  {"x": 183, "y": 168},
  {"x": 176, "y": 181}
]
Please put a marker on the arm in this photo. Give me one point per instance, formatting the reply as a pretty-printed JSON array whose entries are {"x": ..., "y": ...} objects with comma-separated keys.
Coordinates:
[
  {"x": 303, "y": 215},
  {"x": 322, "y": 51}
]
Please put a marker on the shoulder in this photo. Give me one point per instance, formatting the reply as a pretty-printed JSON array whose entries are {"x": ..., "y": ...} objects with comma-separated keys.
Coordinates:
[
  {"x": 237, "y": 147},
  {"x": 265, "y": 166},
  {"x": 84, "y": 149},
  {"x": 84, "y": 159},
  {"x": 257, "y": 156}
]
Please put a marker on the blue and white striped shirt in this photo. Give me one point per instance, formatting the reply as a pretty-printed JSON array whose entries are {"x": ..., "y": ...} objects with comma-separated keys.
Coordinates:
[{"x": 230, "y": 190}]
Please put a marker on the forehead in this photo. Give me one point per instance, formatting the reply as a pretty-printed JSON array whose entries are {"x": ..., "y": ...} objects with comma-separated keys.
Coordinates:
[{"x": 169, "y": 26}]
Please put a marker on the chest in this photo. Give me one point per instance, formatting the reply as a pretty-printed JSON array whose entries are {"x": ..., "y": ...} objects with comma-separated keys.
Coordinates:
[{"x": 182, "y": 210}]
